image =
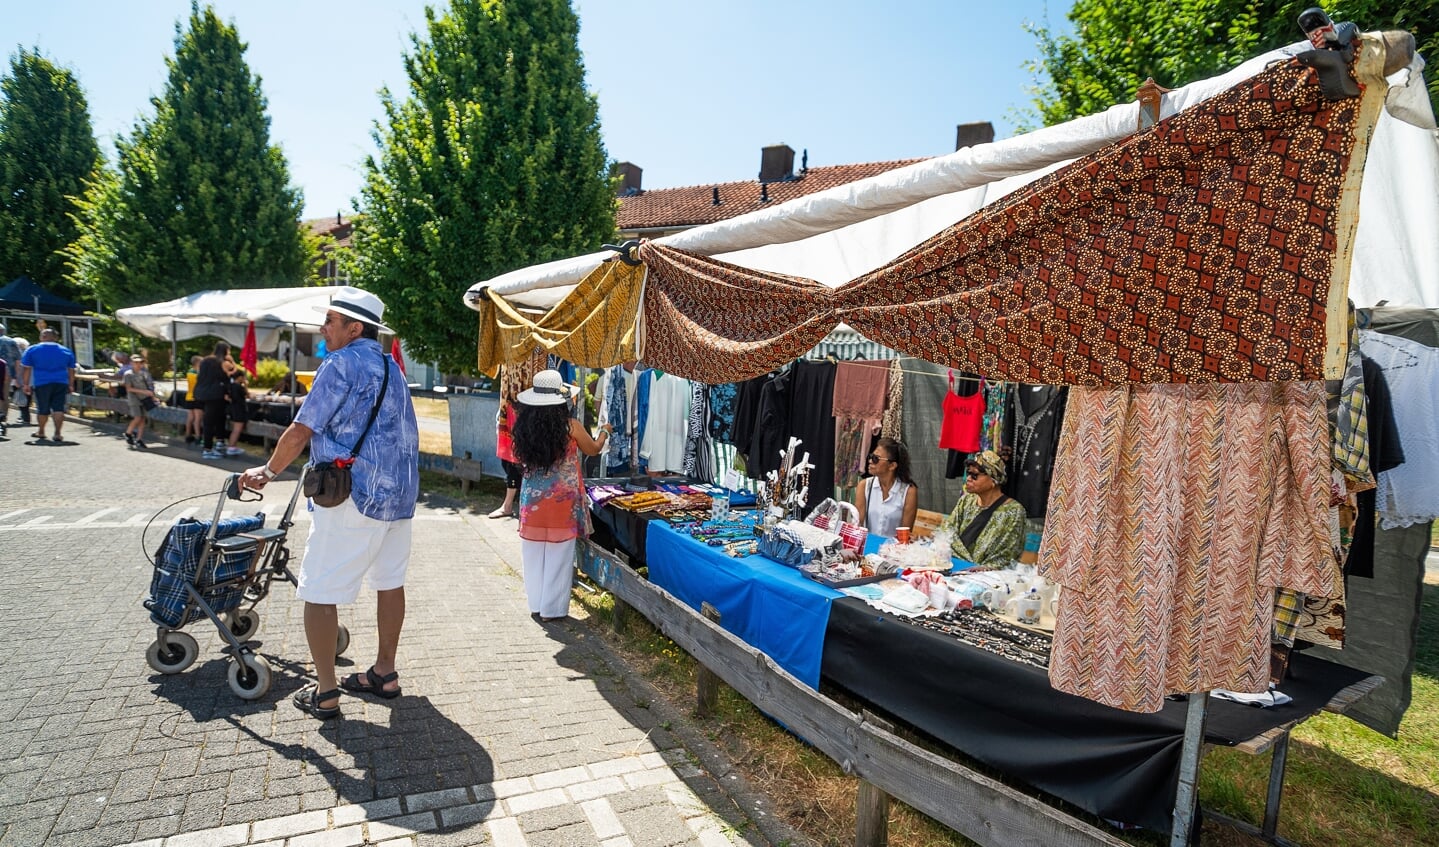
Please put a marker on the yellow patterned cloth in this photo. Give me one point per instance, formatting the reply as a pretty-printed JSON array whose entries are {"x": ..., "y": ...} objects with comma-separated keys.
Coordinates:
[
  {"x": 595, "y": 326},
  {"x": 1174, "y": 514}
]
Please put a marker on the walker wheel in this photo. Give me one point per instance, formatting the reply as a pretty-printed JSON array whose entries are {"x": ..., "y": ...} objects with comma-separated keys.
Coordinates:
[
  {"x": 244, "y": 625},
  {"x": 342, "y": 641},
  {"x": 250, "y": 676},
  {"x": 178, "y": 653}
]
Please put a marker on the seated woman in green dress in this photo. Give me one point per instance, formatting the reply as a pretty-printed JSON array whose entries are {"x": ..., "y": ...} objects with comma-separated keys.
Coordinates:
[{"x": 987, "y": 525}]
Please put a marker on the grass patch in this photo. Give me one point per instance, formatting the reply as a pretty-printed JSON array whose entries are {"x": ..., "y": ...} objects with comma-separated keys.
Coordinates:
[{"x": 1346, "y": 786}]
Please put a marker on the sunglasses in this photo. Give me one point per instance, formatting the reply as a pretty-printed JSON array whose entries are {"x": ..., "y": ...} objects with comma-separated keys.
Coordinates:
[
  {"x": 975, "y": 474},
  {"x": 875, "y": 457}
]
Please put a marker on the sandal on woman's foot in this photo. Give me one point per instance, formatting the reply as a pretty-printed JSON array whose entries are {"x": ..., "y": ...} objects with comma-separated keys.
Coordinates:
[
  {"x": 309, "y": 698},
  {"x": 499, "y": 513},
  {"x": 372, "y": 683}
]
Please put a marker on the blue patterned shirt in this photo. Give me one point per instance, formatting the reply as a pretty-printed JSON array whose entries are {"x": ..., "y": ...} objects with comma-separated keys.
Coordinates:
[{"x": 386, "y": 474}]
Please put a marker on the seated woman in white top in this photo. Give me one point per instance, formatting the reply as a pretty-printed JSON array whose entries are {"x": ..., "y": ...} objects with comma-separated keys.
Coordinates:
[{"x": 888, "y": 498}]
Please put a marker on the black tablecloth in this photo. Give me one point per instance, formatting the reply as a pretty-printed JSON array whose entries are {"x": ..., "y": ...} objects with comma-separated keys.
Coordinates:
[{"x": 1116, "y": 764}]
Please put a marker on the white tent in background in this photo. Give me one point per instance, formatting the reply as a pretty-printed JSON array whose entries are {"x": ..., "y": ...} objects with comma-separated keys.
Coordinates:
[
  {"x": 837, "y": 235},
  {"x": 227, "y": 314}
]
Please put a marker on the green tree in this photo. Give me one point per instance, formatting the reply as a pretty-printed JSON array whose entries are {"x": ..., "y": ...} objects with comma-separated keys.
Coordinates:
[
  {"x": 202, "y": 199},
  {"x": 1117, "y": 44},
  {"x": 47, "y": 152},
  {"x": 494, "y": 161}
]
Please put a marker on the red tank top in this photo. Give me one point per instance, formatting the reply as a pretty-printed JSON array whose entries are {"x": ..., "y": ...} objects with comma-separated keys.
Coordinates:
[{"x": 963, "y": 419}]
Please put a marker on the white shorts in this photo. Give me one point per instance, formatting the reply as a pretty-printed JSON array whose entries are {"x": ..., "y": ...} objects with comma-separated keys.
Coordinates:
[{"x": 345, "y": 547}]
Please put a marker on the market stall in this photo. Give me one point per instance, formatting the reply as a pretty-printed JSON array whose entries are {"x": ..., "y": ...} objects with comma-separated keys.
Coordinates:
[{"x": 1196, "y": 271}]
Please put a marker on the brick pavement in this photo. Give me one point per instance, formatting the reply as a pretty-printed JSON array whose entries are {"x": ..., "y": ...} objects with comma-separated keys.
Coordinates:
[{"x": 510, "y": 733}]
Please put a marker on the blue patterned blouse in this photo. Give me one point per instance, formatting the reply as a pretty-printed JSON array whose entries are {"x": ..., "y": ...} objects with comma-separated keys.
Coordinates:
[{"x": 386, "y": 474}]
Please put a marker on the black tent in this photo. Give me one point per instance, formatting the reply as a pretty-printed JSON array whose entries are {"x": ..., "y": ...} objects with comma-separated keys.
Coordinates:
[{"x": 24, "y": 295}]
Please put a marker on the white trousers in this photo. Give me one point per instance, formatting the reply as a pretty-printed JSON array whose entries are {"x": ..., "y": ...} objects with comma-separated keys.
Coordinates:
[{"x": 549, "y": 573}]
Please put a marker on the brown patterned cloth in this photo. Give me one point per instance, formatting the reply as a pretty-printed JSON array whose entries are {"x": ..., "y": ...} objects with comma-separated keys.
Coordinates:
[
  {"x": 1199, "y": 250},
  {"x": 1175, "y": 513}
]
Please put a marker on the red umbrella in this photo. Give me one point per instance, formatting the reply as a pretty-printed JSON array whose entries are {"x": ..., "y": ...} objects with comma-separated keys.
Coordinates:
[
  {"x": 396, "y": 355},
  {"x": 248, "y": 356}
]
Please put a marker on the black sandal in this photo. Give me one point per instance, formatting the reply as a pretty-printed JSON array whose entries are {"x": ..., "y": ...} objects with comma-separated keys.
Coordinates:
[
  {"x": 356, "y": 683},
  {"x": 309, "y": 698}
]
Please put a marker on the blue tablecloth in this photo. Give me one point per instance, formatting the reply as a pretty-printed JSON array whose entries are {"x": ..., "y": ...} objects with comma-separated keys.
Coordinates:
[{"x": 771, "y": 607}]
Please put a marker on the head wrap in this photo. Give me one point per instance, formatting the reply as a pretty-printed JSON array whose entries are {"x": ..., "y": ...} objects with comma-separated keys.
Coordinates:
[{"x": 989, "y": 462}]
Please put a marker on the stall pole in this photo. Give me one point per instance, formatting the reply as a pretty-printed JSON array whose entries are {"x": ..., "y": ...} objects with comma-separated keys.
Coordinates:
[
  {"x": 706, "y": 682},
  {"x": 175, "y": 361},
  {"x": 871, "y": 803},
  {"x": 1277, "y": 765},
  {"x": 1186, "y": 799}
]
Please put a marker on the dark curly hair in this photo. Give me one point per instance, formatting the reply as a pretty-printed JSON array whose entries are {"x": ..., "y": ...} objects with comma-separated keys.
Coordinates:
[
  {"x": 900, "y": 454},
  {"x": 541, "y": 434}
]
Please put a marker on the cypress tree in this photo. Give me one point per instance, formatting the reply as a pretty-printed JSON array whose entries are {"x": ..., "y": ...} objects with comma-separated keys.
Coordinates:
[
  {"x": 202, "y": 199},
  {"x": 494, "y": 161},
  {"x": 47, "y": 152}
]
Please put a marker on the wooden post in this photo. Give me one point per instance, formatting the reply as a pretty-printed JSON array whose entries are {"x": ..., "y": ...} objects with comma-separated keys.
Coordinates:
[
  {"x": 871, "y": 805},
  {"x": 621, "y": 614},
  {"x": 707, "y": 684}
]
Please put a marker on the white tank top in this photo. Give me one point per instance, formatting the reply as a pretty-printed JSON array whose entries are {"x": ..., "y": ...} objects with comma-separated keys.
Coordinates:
[{"x": 885, "y": 514}]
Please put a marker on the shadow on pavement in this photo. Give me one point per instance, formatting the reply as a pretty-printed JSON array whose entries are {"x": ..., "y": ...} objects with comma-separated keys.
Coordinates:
[{"x": 377, "y": 749}]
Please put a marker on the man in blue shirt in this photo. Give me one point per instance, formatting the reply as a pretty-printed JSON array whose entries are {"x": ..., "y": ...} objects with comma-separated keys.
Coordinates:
[
  {"x": 368, "y": 535},
  {"x": 47, "y": 370}
]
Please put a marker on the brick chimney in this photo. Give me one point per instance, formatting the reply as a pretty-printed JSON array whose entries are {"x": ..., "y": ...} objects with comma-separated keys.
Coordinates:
[
  {"x": 629, "y": 175},
  {"x": 776, "y": 163},
  {"x": 968, "y": 135}
]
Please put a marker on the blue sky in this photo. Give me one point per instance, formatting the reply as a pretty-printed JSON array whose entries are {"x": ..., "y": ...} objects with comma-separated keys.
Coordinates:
[{"x": 689, "y": 91}]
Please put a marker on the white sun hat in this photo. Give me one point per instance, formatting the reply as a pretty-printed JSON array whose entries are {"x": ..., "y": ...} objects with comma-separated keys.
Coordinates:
[{"x": 549, "y": 389}]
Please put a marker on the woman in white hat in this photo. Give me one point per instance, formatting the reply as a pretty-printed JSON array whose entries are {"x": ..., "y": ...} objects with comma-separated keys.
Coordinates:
[{"x": 553, "y": 508}]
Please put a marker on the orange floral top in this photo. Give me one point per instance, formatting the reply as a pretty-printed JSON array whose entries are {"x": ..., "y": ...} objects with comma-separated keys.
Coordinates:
[{"x": 553, "y": 505}]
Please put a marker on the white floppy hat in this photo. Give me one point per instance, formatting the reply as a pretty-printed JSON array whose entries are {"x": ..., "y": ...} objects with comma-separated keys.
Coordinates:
[
  {"x": 360, "y": 305},
  {"x": 549, "y": 390}
]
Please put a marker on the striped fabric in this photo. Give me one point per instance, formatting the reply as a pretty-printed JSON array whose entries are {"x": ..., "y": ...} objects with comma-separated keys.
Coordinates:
[{"x": 1175, "y": 513}]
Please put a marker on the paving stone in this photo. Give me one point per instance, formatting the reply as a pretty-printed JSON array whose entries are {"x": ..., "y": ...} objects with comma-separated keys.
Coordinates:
[
  {"x": 536, "y": 800},
  {"x": 602, "y": 818},
  {"x": 505, "y": 832},
  {"x": 224, "y": 836},
  {"x": 373, "y": 810},
  {"x": 595, "y": 788},
  {"x": 436, "y": 799},
  {"x": 288, "y": 825},
  {"x": 394, "y": 827},
  {"x": 348, "y": 836}
]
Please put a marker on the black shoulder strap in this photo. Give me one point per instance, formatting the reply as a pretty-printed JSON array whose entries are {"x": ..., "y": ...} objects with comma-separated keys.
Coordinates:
[
  {"x": 384, "y": 384},
  {"x": 970, "y": 534}
]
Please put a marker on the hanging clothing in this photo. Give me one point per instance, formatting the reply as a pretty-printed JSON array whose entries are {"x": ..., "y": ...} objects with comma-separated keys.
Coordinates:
[
  {"x": 722, "y": 399},
  {"x": 667, "y": 423},
  {"x": 696, "y": 437},
  {"x": 1032, "y": 429},
  {"x": 1407, "y": 494},
  {"x": 956, "y": 425},
  {"x": 617, "y": 410},
  {"x": 996, "y": 403},
  {"x": 892, "y": 424},
  {"x": 1175, "y": 514},
  {"x": 771, "y": 427},
  {"x": 859, "y": 397},
  {"x": 811, "y": 420},
  {"x": 1385, "y": 454},
  {"x": 884, "y": 513},
  {"x": 963, "y": 417}
]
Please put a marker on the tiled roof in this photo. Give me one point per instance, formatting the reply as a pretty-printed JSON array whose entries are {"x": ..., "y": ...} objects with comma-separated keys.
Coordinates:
[
  {"x": 694, "y": 205},
  {"x": 340, "y": 230}
]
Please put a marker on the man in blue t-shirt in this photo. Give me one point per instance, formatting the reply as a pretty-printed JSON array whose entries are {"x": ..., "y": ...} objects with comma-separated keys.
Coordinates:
[{"x": 47, "y": 370}]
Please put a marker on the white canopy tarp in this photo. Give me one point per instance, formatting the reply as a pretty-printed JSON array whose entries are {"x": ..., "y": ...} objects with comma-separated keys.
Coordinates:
[
  {"x": 227, "y": 314},
  {"x": 837, "y": 235}
]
